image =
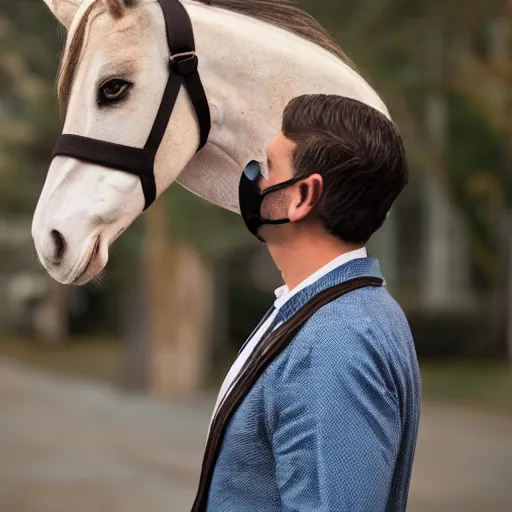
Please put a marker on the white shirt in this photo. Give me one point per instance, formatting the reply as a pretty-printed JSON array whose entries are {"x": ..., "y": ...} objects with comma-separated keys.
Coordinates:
[{"x": 283, "y": 295}]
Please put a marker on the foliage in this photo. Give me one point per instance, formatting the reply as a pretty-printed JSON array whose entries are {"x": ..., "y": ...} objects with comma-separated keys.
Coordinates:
[
  {"x": 29, "y": 48},
  {"x": 460, "y": 52},
  {"x": 212, "y": 230}
]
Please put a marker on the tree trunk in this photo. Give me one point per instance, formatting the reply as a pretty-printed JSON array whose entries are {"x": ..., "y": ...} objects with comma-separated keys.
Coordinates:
[
  {"x": 508, "y": 296},
  {"x": 135, "y": 333},
  {"x": 437, "y": 244},
  {"x": 180, "y": 301},
  {"x": 194, "y": 292},
  {"x": 220, "y": 320},
  {"x": 446, "y": 255},
  {"x": 51, "y": 317},
  {"x": 161, "y": 312},
  {"x": 499, "y": 321},
  {"x": 498, "y": 95},
  {"x": 385, "y": 245}
]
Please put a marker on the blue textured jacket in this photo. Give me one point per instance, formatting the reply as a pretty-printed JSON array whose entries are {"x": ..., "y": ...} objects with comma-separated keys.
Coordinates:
[{"x": 331, "y": 425}]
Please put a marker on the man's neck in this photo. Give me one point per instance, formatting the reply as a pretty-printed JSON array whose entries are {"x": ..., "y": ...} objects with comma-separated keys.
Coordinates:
[{"x": 299, "y": 260}]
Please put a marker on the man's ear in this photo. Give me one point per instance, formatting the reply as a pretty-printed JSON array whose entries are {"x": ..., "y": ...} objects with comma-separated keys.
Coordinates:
[
  {"x": 310, "y": 191},
  {"x": 64, "y": 10}
]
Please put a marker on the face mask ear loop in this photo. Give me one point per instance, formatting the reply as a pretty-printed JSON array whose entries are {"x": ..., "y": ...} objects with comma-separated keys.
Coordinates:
[{"x": 279, "y": 186}]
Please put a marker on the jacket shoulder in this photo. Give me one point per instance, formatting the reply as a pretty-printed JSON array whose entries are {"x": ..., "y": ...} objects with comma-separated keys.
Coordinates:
[{"x": 363, "y": 329}]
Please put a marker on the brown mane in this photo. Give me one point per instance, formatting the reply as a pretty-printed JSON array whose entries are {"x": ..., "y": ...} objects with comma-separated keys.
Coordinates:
[
  {"x": 69, "y": 62},
  {"x": 280, "y": 13},
  {"x": 284, "y": 14}
]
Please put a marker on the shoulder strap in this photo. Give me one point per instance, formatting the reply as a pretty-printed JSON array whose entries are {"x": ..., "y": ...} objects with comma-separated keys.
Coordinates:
[
  {"x": 268, "y": 349},
  {"x": 257, "y": 328}
]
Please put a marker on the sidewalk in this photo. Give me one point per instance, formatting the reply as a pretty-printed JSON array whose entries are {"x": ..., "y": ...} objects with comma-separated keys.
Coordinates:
[{"x": 70, "y": 446}]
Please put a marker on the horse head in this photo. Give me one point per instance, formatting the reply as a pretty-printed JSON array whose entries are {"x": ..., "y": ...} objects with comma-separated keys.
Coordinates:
[{"x": 252, "y": 57}]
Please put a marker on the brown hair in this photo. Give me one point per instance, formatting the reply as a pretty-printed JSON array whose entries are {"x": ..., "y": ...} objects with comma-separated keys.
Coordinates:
[
  {"x": 358, "y": 152},
  {"x": 69, "y": 62},
  {"x": 281, "y": 13},
  {"x": 284, "y": 14}
]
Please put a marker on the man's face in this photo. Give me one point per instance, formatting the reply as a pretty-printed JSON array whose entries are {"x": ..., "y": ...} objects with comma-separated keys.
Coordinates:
[
  {"x": 293, "y": 201},
  {"x": 279, "y": 163}
]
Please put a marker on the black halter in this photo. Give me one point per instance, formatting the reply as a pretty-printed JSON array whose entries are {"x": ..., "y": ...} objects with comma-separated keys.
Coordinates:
[{"x": 183, "y": 64}]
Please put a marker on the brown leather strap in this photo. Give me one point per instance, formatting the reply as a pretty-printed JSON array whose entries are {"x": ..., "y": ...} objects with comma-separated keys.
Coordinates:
[{"x": 267, "y": 350}]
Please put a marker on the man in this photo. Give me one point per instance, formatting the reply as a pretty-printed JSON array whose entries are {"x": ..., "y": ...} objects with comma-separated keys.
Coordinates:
[{"x": 320, "y": 411}]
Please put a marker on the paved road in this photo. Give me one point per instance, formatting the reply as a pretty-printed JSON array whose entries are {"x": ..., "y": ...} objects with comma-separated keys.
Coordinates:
[{"x": 69, "y": 446}]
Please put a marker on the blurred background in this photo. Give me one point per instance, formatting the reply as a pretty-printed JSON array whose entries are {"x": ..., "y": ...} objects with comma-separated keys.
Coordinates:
[{"x": 106, "y": 390}]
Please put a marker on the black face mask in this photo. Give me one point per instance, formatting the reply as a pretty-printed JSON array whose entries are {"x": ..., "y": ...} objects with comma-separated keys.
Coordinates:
[{"x": 251, "y": 198}]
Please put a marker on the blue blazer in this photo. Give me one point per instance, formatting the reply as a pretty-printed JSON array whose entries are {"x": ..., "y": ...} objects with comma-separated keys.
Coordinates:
[{"x": 331, "y": 425}]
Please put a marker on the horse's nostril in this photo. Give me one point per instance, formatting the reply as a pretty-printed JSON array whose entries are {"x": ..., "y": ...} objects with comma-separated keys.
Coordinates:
[{"x": 60, "y": 246}]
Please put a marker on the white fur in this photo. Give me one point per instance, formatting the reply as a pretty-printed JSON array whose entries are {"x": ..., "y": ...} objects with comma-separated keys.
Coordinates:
[
  {"x": 250, "y": 70},
  {"x": 64, "y": 10}
]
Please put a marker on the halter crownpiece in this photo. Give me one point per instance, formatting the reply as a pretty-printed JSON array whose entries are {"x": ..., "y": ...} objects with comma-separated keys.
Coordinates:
[{"x": 183, "y": 70}]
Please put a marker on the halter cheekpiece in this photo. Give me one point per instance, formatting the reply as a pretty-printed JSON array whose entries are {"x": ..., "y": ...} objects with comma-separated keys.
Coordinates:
[{"x": 183, "y": 70}]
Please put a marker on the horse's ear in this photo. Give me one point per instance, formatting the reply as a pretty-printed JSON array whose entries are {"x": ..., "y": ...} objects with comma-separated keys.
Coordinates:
[{"x": 64, "y": 10}]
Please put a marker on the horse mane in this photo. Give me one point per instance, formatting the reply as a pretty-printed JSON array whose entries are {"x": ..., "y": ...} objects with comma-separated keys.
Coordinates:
[
  {"x": 286, "y": 15},
  {"x": 280, "y": 13}
]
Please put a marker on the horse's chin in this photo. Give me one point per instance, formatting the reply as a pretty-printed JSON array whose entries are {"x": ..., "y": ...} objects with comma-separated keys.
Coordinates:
[{"x": 91, "y": 268}]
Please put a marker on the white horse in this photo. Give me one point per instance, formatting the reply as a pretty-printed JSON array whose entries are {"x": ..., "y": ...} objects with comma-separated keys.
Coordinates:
[{"x": 254, "y": 56}]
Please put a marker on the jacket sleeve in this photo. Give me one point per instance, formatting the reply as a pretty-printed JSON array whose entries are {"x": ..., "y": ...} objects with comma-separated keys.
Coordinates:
[{"x": 333, "y": 419}]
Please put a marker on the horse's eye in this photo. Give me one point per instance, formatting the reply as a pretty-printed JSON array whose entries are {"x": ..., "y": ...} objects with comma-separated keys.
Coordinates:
[{"x": 113, "y": 90}]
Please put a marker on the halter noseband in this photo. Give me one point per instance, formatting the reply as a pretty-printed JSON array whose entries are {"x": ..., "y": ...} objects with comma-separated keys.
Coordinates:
[{"x": 183, "y": 63}]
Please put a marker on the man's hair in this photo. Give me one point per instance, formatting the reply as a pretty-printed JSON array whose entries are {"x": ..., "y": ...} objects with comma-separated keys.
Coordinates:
[{"x": 358, "y": 152}]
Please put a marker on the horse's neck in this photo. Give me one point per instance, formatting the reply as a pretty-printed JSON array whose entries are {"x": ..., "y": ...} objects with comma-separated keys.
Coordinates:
[{"x": 250, "y": 71}]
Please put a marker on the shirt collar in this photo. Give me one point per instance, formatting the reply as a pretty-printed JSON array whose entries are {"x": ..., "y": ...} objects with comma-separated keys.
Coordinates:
[{"x": 283, "y": 294}]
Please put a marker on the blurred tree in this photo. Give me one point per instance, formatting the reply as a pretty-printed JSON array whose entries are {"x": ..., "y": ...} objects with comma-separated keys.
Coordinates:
[
  {"x": 480, "y": 74},
  {"x": 29, "y": 49},
  {"x": 28, "y": 127},
  {"x": 394, "y": 41}
]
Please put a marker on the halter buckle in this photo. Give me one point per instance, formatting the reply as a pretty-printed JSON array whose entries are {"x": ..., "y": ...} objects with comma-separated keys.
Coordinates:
[{"x": 184, "y": 63}]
